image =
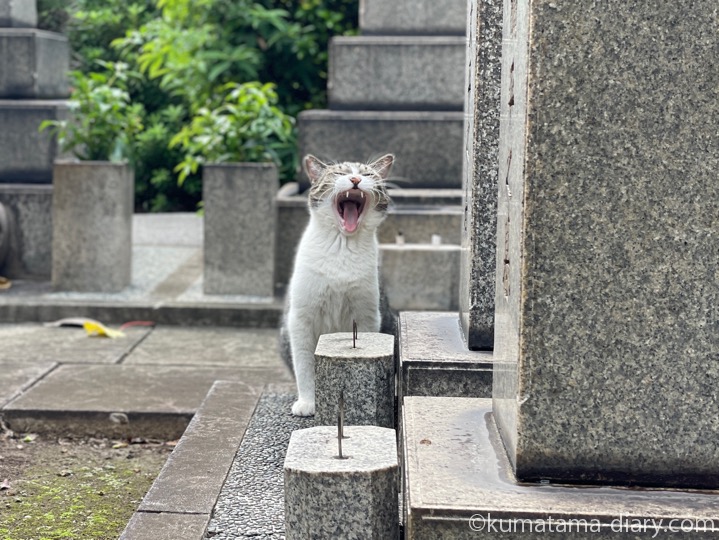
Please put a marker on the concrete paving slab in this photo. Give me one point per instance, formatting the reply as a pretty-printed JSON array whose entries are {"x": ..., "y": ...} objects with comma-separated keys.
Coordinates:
[
  {"x": 165, "y": 526},
  {"x": 235, "y": 347},
  {"x": 15, "y": 378},
  {"x": 205, "y": 453},
  {"x": 31, "y": 343},
  {"x": 124, "y": 400}
]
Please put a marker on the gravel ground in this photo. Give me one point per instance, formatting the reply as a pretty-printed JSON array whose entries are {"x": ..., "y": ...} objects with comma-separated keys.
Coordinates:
[{"x": 251, "y": 504}]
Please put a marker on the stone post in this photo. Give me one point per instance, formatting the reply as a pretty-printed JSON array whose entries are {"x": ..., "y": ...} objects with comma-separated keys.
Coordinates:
[
  {"x": 607, "y": 325},
  {"x": 92, "y": 210},
  {"x": 350, "y": 497},
  {"x": 240, "y": 220},
  {"x": 364, "y": 374},
  {"x": 479, "y": 173}
]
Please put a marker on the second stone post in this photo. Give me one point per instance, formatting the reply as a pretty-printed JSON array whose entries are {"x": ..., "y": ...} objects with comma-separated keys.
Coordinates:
[
  {"x": 363, "y": 373},
  {"x": 239, "y": 228}
]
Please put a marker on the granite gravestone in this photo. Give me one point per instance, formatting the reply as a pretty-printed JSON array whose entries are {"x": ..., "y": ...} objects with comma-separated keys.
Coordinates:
[
  {"x": 479, "y": 173},
  {"x": 607, "y": 317}
]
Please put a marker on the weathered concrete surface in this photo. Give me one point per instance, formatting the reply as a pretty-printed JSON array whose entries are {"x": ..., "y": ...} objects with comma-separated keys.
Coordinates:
[
  {"x": 240, "y": 216},
  {"x": 157, "y": 400},
  {"x": 165, "y": 526},
  {"x": 92, "y": 208},
  {"x": 205, "y": 453},
  {"x": 427, "y": 144},
  {"x": 33, "y": 64},
  {"x": 396, "y": 73},
  {"x": 29, "y": 213},
  {"x": 15, "y": 377},
  {"x": 413, "y": 17},
  {"x": 18, "y": 14},
  {"x": 228, "y": 347},
  {"x": 29, "y": 343}
]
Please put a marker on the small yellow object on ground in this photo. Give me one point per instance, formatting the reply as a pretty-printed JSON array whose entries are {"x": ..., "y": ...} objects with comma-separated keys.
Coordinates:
[
  {"x": 97, "y": 329},
  {"x": 5, "y": 283}
]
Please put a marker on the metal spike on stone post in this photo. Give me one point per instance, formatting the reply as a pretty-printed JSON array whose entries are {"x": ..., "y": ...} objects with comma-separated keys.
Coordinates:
[
  {"x": 354, "y": 497},
  {"x": 361, "y": 364}
]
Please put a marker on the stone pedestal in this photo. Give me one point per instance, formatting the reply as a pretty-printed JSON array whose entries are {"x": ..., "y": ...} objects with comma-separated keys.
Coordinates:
[
  {"x": 479, "y": 173},
  {"x": 240, "y": 221},
  {"x": 28, "y": 209},
  {"x": 92, "y": 226},
  {"x": 33, "y": 64},
  {"x": 365, "y": 376},
  {"x": 412, "y": 17},
  {"x": 18, "y": 14},
  {"x": 607, "y": 289},
  {"x": 355, "y": 497}
]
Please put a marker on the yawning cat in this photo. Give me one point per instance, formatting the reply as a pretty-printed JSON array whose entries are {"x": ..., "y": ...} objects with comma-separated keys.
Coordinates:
[{"x": 336, "y": 277}]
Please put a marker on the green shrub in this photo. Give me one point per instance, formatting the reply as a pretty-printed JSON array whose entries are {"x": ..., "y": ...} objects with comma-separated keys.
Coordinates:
[
  {"x": 247, "y": 126},
  {"x": 186, "y": 52},
  {"x": 104, "y": 120}
]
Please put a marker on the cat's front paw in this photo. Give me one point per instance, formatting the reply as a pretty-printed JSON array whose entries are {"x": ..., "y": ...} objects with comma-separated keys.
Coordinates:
[{"x": 303, "y": 408}]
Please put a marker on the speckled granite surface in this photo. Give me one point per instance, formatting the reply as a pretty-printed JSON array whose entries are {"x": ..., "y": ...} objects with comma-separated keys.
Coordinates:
[
  {"x": 365, "y": 376},
  {"x": 351, "y": 498},
  {"x": 608, "y": 293},
  {"x": 481, "y": 140}
]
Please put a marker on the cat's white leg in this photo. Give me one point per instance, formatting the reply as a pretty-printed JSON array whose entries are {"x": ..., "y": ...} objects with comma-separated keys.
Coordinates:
[{"x": 303, "y": 360}]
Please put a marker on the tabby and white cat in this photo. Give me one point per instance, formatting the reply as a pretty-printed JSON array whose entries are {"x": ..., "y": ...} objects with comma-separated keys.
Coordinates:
[{"x": 336, "y": 275}]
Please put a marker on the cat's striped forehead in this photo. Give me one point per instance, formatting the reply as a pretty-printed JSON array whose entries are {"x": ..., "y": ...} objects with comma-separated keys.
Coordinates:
[{"x": 335, "y": 170}]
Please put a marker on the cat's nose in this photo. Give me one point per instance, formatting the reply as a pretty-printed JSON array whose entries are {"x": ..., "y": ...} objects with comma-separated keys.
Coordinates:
[{"x": 355, "y": 181}]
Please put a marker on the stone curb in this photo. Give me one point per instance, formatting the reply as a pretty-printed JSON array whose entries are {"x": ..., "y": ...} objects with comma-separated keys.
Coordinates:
[
  {"x": 236, "y": 315},
  {"x": 180, "y": 502}
]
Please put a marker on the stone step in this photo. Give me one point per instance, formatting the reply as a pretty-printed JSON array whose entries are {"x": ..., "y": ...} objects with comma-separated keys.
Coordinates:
[
  {"x": 202, "y": 459},
  {"x": 420, "y": 276},
  {"x": 26, "y": 155},
  {"x": 458, "y": 483},
  {"x": 413, "y": 17},
  {"x": 427, "y": 144},
  {"x": 418, "y": 214},
  {"x": 29, "y": 210},
  {"x": 33, "y": 64},
  {"x": 418, "y": 224},
  {"x": 434, "y": 359},
  {"x": 397, "y": 73},
  {"x": 16, "y": 14}
]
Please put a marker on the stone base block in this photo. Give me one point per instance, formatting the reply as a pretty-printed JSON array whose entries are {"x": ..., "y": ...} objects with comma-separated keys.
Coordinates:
[
  {"x": 462, "y": 487},
  {"x": 28, "y": 210},
  {"x": 356, "y": 497},
  {"x": 420, "y": 276},
  {"x": 427, "y": 145},
  {"x": 413, "y": 17},
  {"x": 417, "y": 214},
  {"x": 434, "y": 360},
  {"x": 33, "y": 64},
  {"x": 92, "y": 226},
  {"x": 240, "y": 228},
  {"x": 419, "y": 224},
  {"x": 27, "y": 155},
  {"x": 397, "y": 73},
  {"x": 18, "y": 14},
  {"x": 363, "y": 374}
]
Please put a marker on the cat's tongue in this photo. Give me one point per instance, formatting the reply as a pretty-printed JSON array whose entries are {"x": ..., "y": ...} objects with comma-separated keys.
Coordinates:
[{"x": 351, "y": 216}]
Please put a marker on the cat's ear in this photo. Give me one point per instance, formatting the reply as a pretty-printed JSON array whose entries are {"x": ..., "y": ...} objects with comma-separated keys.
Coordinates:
[
  {"x": 383, "y": 165},
  {"x": 313, "y": 167}
]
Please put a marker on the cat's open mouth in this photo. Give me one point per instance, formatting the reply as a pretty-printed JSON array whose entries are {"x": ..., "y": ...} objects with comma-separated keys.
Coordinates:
[{"x": 349, "y": 206}]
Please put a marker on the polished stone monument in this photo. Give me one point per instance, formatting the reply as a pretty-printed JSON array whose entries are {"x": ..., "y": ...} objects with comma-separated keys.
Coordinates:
[{"x": 607, "y": 336}]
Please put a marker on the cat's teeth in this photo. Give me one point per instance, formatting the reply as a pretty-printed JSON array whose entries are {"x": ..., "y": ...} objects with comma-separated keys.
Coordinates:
[
  {"x": 361, "y": 194},
  {"x": 347, "y": 194}
]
